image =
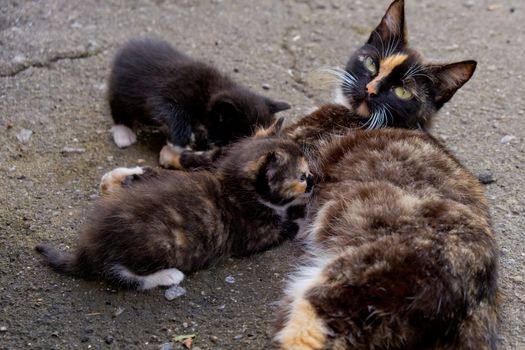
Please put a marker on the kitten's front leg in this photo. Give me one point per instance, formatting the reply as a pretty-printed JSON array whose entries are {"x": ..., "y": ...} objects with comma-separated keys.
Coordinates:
[
  {"x": 117, "y": 178},
  {"x": 183, "y": 159}
]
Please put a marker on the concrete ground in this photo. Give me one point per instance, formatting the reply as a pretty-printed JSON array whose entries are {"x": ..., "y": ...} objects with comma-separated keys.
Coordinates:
[{"x": 55, "y": 144}]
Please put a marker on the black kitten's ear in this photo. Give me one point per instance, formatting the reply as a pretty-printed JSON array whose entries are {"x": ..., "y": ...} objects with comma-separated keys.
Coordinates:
[
  {"x": 391, "y": 29},
  {"x": 276, "y": 106},
  {"x": 223, "y": 107},
  {"x": 449, "y": 78},
  {"x": 272, "y": 130}
]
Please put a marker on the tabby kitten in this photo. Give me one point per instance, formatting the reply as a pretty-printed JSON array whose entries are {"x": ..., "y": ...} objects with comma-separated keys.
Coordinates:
[
  {"x": 151, "y": 82},
  {"x": 400, "y": 253},
  {"x": 150, "y": 233}
]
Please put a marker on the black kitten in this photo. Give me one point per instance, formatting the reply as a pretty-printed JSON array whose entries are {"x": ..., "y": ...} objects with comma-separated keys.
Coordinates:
[{"x": 151, "y": 82}]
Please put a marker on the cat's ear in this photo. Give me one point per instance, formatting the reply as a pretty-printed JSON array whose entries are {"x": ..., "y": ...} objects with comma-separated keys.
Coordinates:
[
  {"x": 392, "y": 28},
  {"x": 223, "y": 107},
  {"x": 272, "y": 130},
  {"x": 276, "y": 106},
  {"x": 449, "y": 78},
  {"x": 274, "y": 161}
]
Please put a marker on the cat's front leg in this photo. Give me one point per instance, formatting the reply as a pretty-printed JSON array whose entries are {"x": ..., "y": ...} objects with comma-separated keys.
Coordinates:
[
  {"x": 120, "y": 177},
  {"x": 303, "y": 329}
]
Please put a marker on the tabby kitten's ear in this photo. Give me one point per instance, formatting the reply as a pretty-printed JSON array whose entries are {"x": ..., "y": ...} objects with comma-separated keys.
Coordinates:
[
  {"x": 392, "y": 28},
  {"x": 276, "y": 106},
  {"x": 449, "y": 78},
  {"x": 272, "y": 130}
]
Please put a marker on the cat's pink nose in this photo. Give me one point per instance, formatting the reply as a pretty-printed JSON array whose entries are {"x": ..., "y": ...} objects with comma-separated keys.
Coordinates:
[{"x": 371, "y": 89}]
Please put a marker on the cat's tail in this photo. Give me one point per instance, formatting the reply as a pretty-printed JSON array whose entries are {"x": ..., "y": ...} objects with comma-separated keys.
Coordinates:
[{"x": 62, "y": 262}]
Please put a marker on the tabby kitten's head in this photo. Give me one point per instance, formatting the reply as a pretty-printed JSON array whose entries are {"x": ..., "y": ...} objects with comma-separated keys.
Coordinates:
[
  {"x": 387, "y": 82},
  {"x": 272, "y": 167}
]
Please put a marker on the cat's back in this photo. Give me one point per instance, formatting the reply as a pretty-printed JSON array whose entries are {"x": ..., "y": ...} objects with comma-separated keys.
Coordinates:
[
  {"x": 410, "y": 160},
  {"x": 189, "y": 200},
  {"x": 147, "y": 56},
  {"x": 404, "y": 253}
]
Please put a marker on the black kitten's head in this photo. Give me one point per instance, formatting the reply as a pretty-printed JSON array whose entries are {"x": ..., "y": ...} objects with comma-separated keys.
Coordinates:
[
  {"x": 272, "y": 167},
  {"x": 237, "y": 113},
  {"x": 387, "y": 82}
]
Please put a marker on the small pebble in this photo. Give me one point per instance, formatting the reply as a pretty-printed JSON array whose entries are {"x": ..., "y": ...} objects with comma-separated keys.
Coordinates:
[
  {"x": 24, "y": 135},
  {"x": 141, "y": 161},
  {"x": 109, "y": 339},
  {"x": 238, "y": 337},
  {"x": 266, "y": 86},
  {"x": 507, "y": 138},
  {"x": 118, "y": 311},
  {"x": 3, "y": 329},
  {"x": 73, "y": 150},
  {"x": 167, "y": 346},
  {"x": 214, "y": 339},
  {"x": 486, "y": 177},
  {"x": 174, "y": 292},
  {"x": 18, "y": 59},
  {"x": 229, "y": 279}
]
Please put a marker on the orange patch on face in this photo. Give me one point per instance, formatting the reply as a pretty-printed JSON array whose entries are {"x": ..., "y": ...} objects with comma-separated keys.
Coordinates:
[
  {"x": 386, "y": 66},
  {"x": 296, "y": 188},
  {"x": 363, "y": 110}
]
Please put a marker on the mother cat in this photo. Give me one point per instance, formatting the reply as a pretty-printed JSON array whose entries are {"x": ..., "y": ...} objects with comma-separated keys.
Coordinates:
[{"x": 400, "y": 253}]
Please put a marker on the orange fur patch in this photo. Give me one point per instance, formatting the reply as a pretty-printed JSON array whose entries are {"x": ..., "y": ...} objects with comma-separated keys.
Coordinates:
[
  {"x": 304, "y": 330},
  {"x": 169, "y": 157},
  {"x": 386, "y": 66},
  {"x": 363, "y": 110}
]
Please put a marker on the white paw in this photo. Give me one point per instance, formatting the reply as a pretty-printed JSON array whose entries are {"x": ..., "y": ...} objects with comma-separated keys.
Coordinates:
[
  {"x": 167, "y": 277},
  {"x": 113, "y": 179},
  {"x": 123, "y": 136}
]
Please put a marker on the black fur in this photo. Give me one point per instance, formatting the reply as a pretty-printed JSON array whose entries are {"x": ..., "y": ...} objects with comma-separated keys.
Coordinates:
[{"x": 153, "y": 83}]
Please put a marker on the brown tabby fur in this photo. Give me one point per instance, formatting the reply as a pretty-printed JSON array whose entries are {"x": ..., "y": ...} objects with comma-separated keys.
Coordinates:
[
  {"x": 403, "y": 252},
  {"x": 400, "y": 253},
  {"x": 148, "y": 233}
]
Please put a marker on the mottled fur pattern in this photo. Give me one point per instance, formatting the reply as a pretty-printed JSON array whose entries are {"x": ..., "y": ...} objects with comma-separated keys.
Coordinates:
[
  {"x": 401, "y": 254},
  {"x": 148, "y": 232},
  {"x": 385, "y": 83},
  {"x": 151, "y": 82}
]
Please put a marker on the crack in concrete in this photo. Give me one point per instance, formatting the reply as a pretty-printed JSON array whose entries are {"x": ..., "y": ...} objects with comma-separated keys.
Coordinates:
[
  {"x": 12, "y": 70},
  {"x": 293, "y": 70}
]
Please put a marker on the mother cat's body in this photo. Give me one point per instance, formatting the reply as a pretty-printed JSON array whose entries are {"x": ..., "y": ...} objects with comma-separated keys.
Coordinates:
[{"x": 401, "y": 254}]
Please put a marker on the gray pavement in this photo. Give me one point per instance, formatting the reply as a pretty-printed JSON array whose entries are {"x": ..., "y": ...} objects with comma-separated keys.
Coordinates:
[{"x": 54, "y": 59}]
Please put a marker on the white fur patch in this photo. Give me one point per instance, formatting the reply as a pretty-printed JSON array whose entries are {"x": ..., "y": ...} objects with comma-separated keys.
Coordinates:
[
  {"x": 113, "y": 179},
  {"x": 167, "y": 277},
  {"x": 123, "y": 136},
  {"x": 340, "y": 98}
]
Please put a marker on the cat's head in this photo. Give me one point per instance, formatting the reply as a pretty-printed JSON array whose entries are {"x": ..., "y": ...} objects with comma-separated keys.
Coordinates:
[
  {"x": 387, "y": 82},
  {"x": 272, "y": 167},
  {"x": 237, "y": 113}
]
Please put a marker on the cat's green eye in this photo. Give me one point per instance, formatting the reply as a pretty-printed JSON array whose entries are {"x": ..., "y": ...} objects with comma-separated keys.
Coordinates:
[
  {"x": 402, "y": 93},
  {"x": 370, "y": 65}
]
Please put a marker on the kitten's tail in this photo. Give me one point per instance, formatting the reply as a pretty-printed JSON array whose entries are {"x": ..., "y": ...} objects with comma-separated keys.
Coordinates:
[{"x": 62, "y": 262}]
